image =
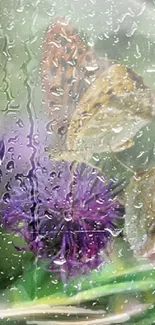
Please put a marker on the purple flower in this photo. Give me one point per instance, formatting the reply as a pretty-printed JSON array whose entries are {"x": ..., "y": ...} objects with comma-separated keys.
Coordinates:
[{"x": 66, "y": 213}]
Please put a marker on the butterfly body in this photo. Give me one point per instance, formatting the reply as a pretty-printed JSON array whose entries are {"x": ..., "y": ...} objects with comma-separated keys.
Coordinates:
[{"x": 95, "y": 105}]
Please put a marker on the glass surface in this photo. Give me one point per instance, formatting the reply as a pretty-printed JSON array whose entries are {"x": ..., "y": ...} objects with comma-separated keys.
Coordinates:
[{"x": 77, "y": 159}]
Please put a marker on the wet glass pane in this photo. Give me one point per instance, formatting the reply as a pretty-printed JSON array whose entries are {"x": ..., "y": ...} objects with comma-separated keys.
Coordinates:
[{"x": 77, "y": 166}]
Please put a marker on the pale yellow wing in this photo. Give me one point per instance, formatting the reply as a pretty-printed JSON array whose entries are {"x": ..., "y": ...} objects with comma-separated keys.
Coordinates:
[{"x": 111, "y": 112}]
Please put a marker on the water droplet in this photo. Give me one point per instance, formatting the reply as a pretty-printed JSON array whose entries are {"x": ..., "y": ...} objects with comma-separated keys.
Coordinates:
[
  {"x": 36, "y": 139},
  {"x": 57, "y": 91},
  {"x": 20, "y": 123},
  {"x": 20, "y": 8},
  {"x": 130, "y": 14},
  {"x": 142, "y": 9},
  {"x": 2, "y": 151},
  {"x": 60, "y": 261},
  {"x": 68, "y": 217},
  {"x": 56, "y": 188},
  {"x": 60, "y": 174},
  {"x": 19, "y": 177},
  {"x": 13, "y": 289},
  {"x": 6, "y": 197},
  {"x": 10, "y": 166},
  {"x": 10, "y": 26},
  {"x": 101, "y": 201},
  {"x": 132, "y": 29},
  {"x": 49, "y": 127},
  {"x": 96, "y": 158},
  {"x": 52, "y": 175},
  {"x": 11, "y": 149},
  {"x": 62, "y": 130},
  {"x": 117, "y": 129},
  {"x": 90, "y": 27},
  {"x": 48, "y": 215},
  {"x": 92, "y": 68},
  {"x": 13, "y": 140},
  {"x": 1, "y": 176},
  {"x": 91, "y": 43},
  {"x": 114, "y": 233},
  {"x": 139, "y": 205},
  {"x": 8, "y": 187},
  {"x": 44, "y": 170}
]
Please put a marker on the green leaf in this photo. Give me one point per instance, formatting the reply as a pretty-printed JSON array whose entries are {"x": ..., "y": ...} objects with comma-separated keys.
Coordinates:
[
  {"x": 45, "y": 314},
  {"x": 112, "y": 273},
  {"x": 12, "y": 261},
  {"x": 35, "y": 283}
]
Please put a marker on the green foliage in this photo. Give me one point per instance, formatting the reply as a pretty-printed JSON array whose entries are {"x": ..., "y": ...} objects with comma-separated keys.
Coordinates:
[{"x": 123, "y": 289}]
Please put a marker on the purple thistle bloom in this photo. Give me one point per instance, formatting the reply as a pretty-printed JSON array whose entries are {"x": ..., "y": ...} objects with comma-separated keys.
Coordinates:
[{"x": 67, "y": 214}]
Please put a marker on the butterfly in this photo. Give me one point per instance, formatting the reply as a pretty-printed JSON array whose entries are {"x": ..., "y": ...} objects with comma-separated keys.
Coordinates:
[
  {"x": 140, "y": 213},
  {"x": 95, "y": 105}
]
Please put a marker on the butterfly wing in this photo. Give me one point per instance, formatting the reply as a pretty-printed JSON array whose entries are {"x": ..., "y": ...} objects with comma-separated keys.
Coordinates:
[
  {"x": 111, "y": 112},
  {"x": 68, "y": 67},
  {"x": 94, "y": 105},
  {"x": 140, "y": 212}
]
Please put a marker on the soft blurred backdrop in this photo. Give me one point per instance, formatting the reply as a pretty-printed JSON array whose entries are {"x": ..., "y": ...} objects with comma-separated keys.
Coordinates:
[{"x": 121, "y": 30}]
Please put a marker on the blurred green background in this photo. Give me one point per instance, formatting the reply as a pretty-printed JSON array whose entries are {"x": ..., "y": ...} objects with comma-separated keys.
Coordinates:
[{"x": 121, "y": 30}]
